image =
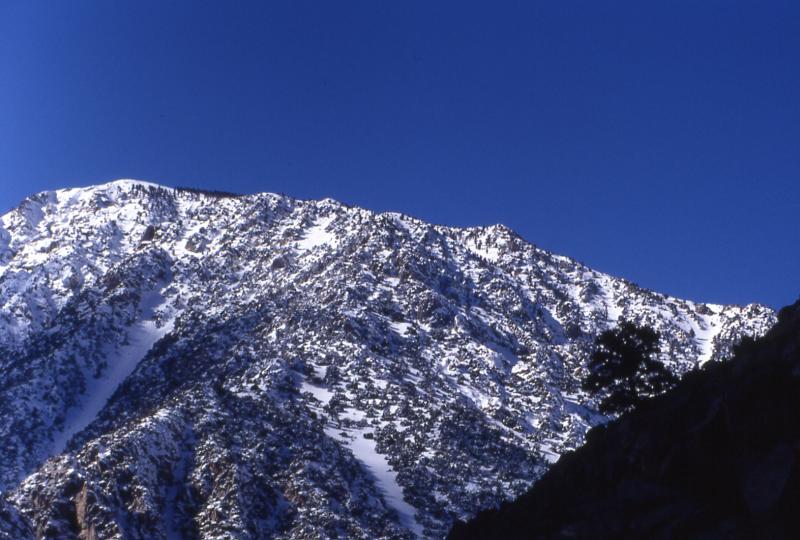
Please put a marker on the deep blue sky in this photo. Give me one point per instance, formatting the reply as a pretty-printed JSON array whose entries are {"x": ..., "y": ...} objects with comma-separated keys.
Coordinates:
[{"x": 659, "y": 141}]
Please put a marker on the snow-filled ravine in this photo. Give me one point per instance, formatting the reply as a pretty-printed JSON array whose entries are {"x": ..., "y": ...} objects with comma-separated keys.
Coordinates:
[
  {"x": 121, "y": 361},
  {"x": 363, "y": 446},
  {"x": 365, "y": 450}
]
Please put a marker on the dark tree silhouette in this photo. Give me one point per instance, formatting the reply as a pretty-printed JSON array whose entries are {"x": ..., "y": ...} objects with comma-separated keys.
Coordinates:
[{"x": 624, "y": 368}]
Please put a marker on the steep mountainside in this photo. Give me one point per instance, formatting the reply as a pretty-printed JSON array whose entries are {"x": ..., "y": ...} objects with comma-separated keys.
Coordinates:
[
  {"x": 717, "y": 457},
  {"x": 182, "y": 364}
]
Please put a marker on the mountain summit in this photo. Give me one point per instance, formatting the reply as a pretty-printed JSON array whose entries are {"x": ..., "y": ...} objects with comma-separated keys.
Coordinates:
[{"x": 179, "y": 363}]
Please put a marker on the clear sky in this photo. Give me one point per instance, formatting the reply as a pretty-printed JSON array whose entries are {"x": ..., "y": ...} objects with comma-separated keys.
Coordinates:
[{"x": 658, "y": 141}]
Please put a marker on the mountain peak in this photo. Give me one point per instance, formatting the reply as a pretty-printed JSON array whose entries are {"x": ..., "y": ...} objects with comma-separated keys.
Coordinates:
[
  {"x": 380, "y": 376},
  {"x": 112, "y": 186},
  {"x": 128, "y": 182}
]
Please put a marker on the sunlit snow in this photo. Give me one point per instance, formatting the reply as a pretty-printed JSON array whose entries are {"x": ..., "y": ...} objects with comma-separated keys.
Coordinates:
[
  {"x": 705, "y": 334},
  {"x": 364, "y": 449},
  {"x": 316, "y": 235}
]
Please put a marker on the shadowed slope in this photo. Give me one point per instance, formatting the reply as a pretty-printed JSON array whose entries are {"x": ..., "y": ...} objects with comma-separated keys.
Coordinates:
[{"x": 715, "y": 458}]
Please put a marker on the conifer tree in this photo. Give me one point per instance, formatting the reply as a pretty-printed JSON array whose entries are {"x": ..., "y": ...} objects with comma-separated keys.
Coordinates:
[{"x": 624, "y": 368}]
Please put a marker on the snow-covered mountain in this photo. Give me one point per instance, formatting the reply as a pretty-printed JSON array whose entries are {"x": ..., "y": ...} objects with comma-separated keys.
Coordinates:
[{"x": 180, "y": 364}]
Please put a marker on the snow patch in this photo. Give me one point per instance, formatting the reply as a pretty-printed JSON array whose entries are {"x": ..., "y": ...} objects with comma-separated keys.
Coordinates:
[
  {"x": 317, "y": 235},
  {"x": 548, "y": 450},
  {"x": 490, "y": 253},
  {"x": 400, "y": 327},
  {"x": 613, "y": 310},
  {"x": 322, "y": 395},
  {"x": 705, "y": 333},
  {"x": 129, "y": 182}
]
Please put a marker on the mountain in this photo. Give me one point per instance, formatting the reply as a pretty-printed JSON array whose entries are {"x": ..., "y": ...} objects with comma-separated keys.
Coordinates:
[
  {"x": 179, "y": 363},
  {"x": 717, "y": 457}
]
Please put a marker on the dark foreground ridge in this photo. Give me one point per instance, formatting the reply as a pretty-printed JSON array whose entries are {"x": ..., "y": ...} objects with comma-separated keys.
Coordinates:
[{"x": 715, "y": 458}]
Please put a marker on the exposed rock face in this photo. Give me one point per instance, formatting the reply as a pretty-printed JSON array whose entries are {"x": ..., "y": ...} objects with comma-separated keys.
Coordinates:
[
  {"x": 185, "y": 364},
  {"x": 717, "y": 457}
]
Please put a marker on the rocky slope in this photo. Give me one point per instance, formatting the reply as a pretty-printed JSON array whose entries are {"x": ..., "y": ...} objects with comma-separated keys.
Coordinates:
[
  {"x": 184, "y": 364},
  {"x": 715, "y": 458}
]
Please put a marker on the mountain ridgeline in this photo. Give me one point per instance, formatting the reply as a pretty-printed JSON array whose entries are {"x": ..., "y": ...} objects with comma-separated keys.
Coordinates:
[{"x": 185, "y": 364}]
